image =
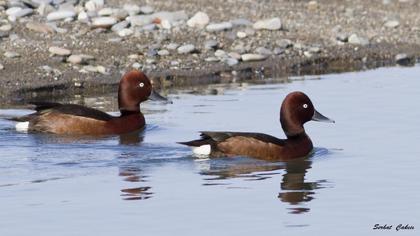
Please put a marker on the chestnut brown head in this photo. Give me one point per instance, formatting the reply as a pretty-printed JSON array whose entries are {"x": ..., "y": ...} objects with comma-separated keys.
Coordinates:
[
  {"x": 134, "y": 88},
  {"x": 296, "y": 110}
]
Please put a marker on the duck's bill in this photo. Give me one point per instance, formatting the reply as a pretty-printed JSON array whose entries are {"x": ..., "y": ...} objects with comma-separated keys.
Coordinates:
[
  {"x": 321, "y": 118},
  {"x": 155, "y": 96}
]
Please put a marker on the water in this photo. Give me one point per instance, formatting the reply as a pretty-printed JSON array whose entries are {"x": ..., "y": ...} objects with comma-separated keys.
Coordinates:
[{"x": 364, "y": 170}]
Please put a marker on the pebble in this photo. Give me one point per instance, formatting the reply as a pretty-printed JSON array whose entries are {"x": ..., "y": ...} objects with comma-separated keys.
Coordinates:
[
  {"x": 241, "y": 22},
  {"x": 263, "y": 51},
  {"x": 59, "y": 15},
  {"x": 39, "y": 27},
  {"x": 103, "y": 22},
  {"x": 284, "y": 43},
  {"x": 184, "y": 49},
  {"x": 120, "y": 26},
  {"x": 241, "y": 34},
  {"x": 80, "y": 59},
  {"x": 314, "y": 49},
  {"x": 210, "y": 44},
  {"x": 231, "y": 61},
  {"x": 95, "y": 69},
  {"x": 172, "y": 46},
  {"x": 253, "y": 57},
  {"x": 392, "y": 24},
  {"x": 199, "y": 20},
  {"x": 220, "y": 53},
  {"x": 83, "y": 16},
  {"x": 59, "y": 51},
  {"x": 163, "y": 52},
  {"x": 342, "y": 37},
  {"x": 136, "y": 65},
  {"x": 132, "y": 9},
  {"x": 147, "y": 10},
  {"x": 10, "y": 54},
  {"x": 269, "y": 24},
  {"x": 235, "y": 55},
  {"x": 354, "y": 39},
  {"x": 125, "y": 32},
  {"x": 6, "y": 27},
  {"x": 106, "y": 11},
  {"x": 212, "y": 59},
  {"x": 307, "y": 54},
  {"x": 94, "y": 5},
  {"x": 18, "y": 12},
  {"x": 403, "y": 59},
  {"x": 219, "y": 27},
  {"x": 312, "y": 5},
  {"x": 1, "y": 67}
]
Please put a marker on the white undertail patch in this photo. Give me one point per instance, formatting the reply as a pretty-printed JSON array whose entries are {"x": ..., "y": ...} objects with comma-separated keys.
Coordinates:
[
  {"x": 203, "y": 150},
  {"x": 22, "y": 126}
]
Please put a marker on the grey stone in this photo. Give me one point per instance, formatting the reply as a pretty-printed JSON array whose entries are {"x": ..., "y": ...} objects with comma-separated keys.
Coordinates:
[
  {"x": 104, "y": 22},
  {"x": 163, "y": 52},
  {"x": 59, "y": 15},
  {"x": 253, "y": 57},
  {"x": 10, "y": 54},
  {"x": 6, "y": 27},
  {"x": 172, "y": 46},
  {"x": 392, "y": 24},
  {"x": 403, "y": 59},
  {"x": 231, "y": 61},
  {"x": 39, "y": 27},
  {"x": 263, "y": 51},
  {"x": 354, "y": 39},
  {"x": 210, "y": 44},
  {"x": 120, "y": 26},
  {"x": 80, "y": 59},
  {"x": 268, "y": 24},
  {"x": 199, "y": 20},
  {"x": 284, "y": 43},
  {"x": 184, "y": 49},
  {"x": 147, "y": 9},
  {"x": 59, "y": 51},
  {"x": 241, "y": 22},
  {"x": 220, "y": 53},
  {"x": 219, "y": 26}
]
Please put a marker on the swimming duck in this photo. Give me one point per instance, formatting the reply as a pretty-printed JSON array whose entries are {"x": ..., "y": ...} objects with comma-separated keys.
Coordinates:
[
  {"x": 134, "y": 88},
  {"x": 295, "y": 111}
]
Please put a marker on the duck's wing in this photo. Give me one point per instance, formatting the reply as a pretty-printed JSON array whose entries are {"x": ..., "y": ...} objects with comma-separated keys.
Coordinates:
[
  {"x": 210, "y": 137},
  {"x": 43, "y": 108}
]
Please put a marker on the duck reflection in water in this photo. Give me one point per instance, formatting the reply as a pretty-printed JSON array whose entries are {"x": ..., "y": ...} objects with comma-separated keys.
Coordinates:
[{"x": 294, "y": 190}]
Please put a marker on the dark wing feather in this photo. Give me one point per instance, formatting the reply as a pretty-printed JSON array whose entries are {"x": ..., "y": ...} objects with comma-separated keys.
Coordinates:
[
  {"x": 69, "y": 109},
  {"x": 209, "y": 137}
]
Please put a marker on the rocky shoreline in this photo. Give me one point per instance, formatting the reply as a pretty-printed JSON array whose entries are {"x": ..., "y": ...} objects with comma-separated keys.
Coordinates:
[{"x": 69, "y": 45}]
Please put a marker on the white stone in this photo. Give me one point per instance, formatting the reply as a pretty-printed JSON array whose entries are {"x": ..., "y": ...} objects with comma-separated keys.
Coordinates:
[
  {"x": 104, "y": 22},
  {"x": 125, "y": 32},
  {"x": 59, "y": 15},
  {"x": 94, "y": 5},
  {"x": 5, "y": 28},
  {"x": 199, "y": 20},
  {"x": 59, "y": 51},
  {"x": 83, "y": 16},
  {"x": 268, "y": 24},
  {"x": 219, "y": 26},
  {"x": 147, "y": 9},
  {"x": 241, "y": 34},
  {"x": 132, "y": 9},
  {"x": 253, "y": 57},
  {"x": 184, "y": 49},
  {"x": 105, "y": 11},
  {"x": 392, "y": 24},
  {"x": 354, "y": 39}
]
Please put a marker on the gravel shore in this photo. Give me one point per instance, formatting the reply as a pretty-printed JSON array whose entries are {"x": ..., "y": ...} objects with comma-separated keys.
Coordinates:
[{"x": 70, "y": 44}]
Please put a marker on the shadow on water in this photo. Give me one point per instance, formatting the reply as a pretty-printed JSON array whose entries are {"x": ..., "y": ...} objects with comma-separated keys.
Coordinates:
[{"x": 294, "y": 188}]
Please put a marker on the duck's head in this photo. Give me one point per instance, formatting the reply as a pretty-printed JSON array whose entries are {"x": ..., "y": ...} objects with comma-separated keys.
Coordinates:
[
  {"x": 296, "y": 110},
  {"x": 134, "y": 89}
]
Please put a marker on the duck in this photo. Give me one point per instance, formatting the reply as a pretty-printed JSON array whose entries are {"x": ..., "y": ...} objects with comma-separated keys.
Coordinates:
[
  {"x": 72, "y": 119},
  {"x": 296, "y": 109}
]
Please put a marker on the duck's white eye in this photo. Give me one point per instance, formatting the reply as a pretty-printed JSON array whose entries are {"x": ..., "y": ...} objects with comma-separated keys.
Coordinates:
[
  {"x": 305, "y": 105},
  {"x": 141, "y": 85}
]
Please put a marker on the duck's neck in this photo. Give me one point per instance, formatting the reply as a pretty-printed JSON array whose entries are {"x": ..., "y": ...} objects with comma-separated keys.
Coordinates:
[
  {"x": 125, "y": 112},
  {"x": 291, "y": 129}
]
